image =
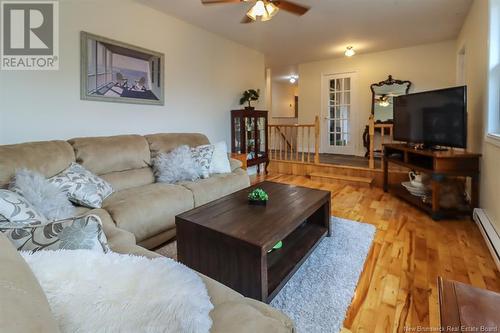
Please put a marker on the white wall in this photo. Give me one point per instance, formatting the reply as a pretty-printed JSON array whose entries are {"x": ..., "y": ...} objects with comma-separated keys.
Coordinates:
[
  {"x": 204, "y": 77},
  {"x": 474, "y": 36},
  {"x": 283, "y": 100},
  {"x": 428, "y": 67}
]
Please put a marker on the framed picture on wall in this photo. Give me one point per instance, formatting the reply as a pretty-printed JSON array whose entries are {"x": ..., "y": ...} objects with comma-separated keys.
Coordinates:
[{"x": 113, "y": 71}]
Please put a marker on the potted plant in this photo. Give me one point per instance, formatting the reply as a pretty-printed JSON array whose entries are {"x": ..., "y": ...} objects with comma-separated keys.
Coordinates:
[
  {"x": 258, "y": 197},
  {"x": 248, "y": 97}
]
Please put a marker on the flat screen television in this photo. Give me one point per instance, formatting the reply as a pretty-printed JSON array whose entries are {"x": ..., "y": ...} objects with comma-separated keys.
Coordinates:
[{"x": 432, "y": 118}]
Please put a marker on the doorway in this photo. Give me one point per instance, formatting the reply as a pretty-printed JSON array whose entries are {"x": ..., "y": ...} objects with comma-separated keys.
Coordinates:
[{"x": 337, "y": 114}]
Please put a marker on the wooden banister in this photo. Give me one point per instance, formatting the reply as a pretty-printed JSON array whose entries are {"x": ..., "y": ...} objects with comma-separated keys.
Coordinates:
[{"x": 293, "y": 142}]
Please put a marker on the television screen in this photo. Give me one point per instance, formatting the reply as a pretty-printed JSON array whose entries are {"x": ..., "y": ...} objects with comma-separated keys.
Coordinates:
[{"x": 436, "y": 117}]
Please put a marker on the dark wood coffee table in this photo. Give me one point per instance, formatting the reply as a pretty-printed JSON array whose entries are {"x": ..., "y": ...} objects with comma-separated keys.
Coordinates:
[{"x": 228, "y": 239}]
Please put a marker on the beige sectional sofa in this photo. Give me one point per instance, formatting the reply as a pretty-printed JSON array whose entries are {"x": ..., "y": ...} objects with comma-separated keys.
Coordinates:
[{"x": 138, "y": 216}]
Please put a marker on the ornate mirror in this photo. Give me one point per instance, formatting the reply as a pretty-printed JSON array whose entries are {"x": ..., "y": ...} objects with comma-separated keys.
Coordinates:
[{"x": 382, "y": 98}]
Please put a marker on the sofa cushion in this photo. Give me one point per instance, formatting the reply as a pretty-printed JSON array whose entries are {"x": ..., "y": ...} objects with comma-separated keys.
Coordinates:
[
  {"x": 24, "y": 305},
  {"x": 235, "y": 164},
  {"x": 47, "y": 157},
  {"x": 165, "y": 142},
  {"x": 234, "y": 313},
  {"x": 113, "y": 153},
  {"x": 217, "y": 186},
  {"x": 122, "y": 180},
  {"x": 148, "y": 210}
]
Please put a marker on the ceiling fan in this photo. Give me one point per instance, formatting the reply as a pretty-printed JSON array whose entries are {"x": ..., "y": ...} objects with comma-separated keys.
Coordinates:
[{"x": 264, "y": 9}]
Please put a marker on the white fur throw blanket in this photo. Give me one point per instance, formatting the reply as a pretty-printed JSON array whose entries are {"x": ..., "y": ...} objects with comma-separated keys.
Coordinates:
[{"x": 96, "y": 292}]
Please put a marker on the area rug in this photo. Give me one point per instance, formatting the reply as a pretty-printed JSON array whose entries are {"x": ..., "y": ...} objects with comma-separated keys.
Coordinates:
[{"x": 319, "y": 293}]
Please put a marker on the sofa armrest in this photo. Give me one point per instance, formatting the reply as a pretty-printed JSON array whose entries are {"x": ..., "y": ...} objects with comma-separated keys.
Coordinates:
[{"x": 235, "y": 164}]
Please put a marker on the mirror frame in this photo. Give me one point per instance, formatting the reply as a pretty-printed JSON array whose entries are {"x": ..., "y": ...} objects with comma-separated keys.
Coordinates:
[{"x": 389, "y": 82}]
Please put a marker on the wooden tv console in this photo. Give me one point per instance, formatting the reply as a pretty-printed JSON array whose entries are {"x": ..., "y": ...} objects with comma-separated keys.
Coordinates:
[{"x": 439, "y": 165}]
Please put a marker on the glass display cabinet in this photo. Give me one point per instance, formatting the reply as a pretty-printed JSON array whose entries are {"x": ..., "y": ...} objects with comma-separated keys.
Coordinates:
[{"x": 249, "y": 136}]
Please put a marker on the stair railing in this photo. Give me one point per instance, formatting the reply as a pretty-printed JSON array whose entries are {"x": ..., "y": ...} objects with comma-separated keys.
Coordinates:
[{"x": 297, "y": 142}]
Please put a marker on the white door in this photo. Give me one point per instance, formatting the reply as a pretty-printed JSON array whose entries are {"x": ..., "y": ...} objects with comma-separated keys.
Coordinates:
[{"x": 337, "y": 108}]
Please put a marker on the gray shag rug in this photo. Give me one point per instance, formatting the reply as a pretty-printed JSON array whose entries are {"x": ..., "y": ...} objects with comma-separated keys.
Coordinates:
[{"x": 319, "y": 293}]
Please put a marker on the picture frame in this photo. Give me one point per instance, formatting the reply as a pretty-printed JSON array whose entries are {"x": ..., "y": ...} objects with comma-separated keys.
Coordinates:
[{"x": 113, "y": 71}]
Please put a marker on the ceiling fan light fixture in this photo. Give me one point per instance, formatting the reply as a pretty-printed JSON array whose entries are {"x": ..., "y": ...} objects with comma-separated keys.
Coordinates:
[
  {"x": 349, "y": 51},
  {"x": 262, "y": 9},
  {"x": 258, "y": 9},
  {"x": 271, "y": 9}
]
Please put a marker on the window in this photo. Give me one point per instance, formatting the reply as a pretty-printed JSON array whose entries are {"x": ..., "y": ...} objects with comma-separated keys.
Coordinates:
[{"x": 494, "y": 73}]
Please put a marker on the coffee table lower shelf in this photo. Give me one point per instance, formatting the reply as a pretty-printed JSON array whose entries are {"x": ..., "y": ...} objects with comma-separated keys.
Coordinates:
[{"x": 283, "y": 263}]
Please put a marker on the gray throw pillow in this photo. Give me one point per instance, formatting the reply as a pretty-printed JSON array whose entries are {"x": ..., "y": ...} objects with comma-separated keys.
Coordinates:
[
  {"x": 15, "y": 208},
  {"x": 175, "y": 166},
  {"x": 202, "y": 156},
  {"x": 45, "y": 197},
  {"x": 79, "y": 233},
  {"x": 82, "y": 186}
]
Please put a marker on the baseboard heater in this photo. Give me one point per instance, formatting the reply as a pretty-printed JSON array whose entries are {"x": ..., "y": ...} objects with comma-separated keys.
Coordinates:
[{"x": 489, "y": 233}]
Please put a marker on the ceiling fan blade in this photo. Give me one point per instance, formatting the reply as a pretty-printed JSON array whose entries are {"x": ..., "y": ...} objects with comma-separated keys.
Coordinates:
[
  {"x": 212, "y": 2},
  {"x": 291, "y": 7},
  {"x": 246, "y": 20}
]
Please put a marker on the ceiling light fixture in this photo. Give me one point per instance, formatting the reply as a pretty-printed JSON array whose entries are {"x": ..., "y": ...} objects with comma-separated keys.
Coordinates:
[
  {"x": 293, "y": 79},
  {"x": 349, "y": 51},
  {"x": 262, "y": 9}
]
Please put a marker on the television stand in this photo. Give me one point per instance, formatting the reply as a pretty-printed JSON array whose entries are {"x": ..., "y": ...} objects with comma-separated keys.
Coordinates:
[
  {"x": 439, "y": 165},
  {"x": 424, "y": 147}
]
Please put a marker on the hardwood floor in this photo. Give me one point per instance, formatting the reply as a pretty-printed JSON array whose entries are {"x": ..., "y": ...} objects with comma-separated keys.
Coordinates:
[{"x": 398, "y": 287}]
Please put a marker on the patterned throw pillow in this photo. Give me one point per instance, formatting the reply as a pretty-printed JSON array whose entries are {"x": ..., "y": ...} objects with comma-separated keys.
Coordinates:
[
  {"x": 82, "y": 186},
  {"x": 79, "y": 233},
  {"x": 16, "y": 209},
  {"x": 202, "y": 156},
  {"x": 175, "y": 166}
]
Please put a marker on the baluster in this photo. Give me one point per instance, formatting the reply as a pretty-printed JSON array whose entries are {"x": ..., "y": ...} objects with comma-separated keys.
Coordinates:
[
  {"x": 286, "y": 143},
  {"x": 316, "y": 139},
  {"x": 274, "y": 142},
  {"x": 281, "y": 143},
  {"x": 302, "y": 143},
  {"x": 308, "y": 144},
  {"x": 295, "y": 145},
  {"x": 290, "y": 143}
]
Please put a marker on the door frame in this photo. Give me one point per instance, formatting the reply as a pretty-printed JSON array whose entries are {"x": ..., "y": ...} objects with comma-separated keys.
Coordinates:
[{"x": 324, "y": 114}]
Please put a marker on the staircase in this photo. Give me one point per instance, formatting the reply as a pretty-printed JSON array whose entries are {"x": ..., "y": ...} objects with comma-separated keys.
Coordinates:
[{"x": 330, "y": 178}]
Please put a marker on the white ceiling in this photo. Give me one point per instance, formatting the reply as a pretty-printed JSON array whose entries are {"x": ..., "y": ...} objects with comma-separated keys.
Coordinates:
[{"x": 330, "y": 25}]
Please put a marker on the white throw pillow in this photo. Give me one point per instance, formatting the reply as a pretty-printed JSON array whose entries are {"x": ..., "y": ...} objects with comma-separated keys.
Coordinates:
[
  {"x": 202, "y": 156},
  {"x": 220, "y": 161},
  {"x": 84, "y": 232},
  {"x": 175, "y": 166},
  {"x": 82, "y": 186},
  {"x": 45, "y": 197},
  {"x": 95, "y": 292},
  {"x": 16, "y": 209}
]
